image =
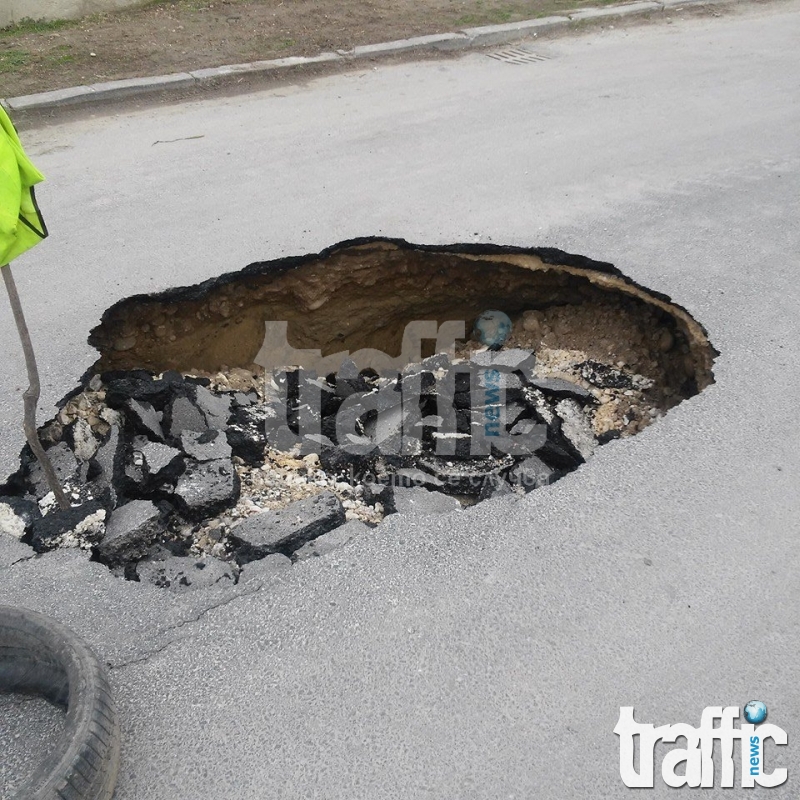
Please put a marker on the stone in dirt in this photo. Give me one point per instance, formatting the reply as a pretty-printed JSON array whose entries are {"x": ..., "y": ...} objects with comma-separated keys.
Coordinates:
[
  {"x": 161, "y": 461},
  {"x": 246, "y": 434},
  {"x": 382, "y": 493},
  {"x": 302, "y": 416},
  {"x": 110, "y": 375},
  {"x": 425, "y": 376},
  {"x": 329, "y": 400},
  {"x": 409, "y": 478},
  {"x": 339, "y": 462},
  {"x": 282, "y": 439},
  {"x": 206, "y": 488},
  {"x": 557, "y": 450},
  {"x": 82, "y": 440},
  {"x": 512, "y": 359},
  {"x": 350, "y": 381},
  {"x": 494, "y": 485},
  {"x": 82, "y": 525},
  {"x": 242, "y": 400},
  {"x": 538, "y": 403},
  {"x": 559, "y": 454},
  {"x": 215, "y": 408},
  {"x": 454, "y": 445},
  {"x": 314, "y": 443},
  {"x": 464, "y": 477},
  {"x": 142, "y": 389},
  {"x": 329, "y": 542},
  {"x": 576, "y": 428},
  {"x": 182, "y": 573},
  {"x": 109, "y": 465},
  {"x": 144, "y": 419},
  {"x": 532, "y": 473},
  {"x": 130, "y": 531},
  {"x": 560, "y": 388},
  {"x": 513, "y": 411},
  {"x": 64, "y": 463},
  {"x": 421, "y": 501},
  {"x": 603, "y": 376},
  {"x": 287, "y": 529},
  {"x": 133, "y": 480},
  {"x": 506, "y": 381},
  {"x": 183, "y": 415},
  {"x": 207, "y": 446},
  {"x": 436, "y": 363},
  {"x": 17, "y": 515},
  {"x": 524, "y": 427},
  {"x": 386, "y": 431},
  {"x": 462, "y": 399}
]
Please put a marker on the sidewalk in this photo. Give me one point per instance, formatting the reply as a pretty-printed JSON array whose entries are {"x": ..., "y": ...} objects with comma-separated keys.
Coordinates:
[{"x": 460, "y": 40}]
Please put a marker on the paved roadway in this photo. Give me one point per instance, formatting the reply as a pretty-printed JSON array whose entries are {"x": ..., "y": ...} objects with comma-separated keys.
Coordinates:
[{"x": 484, "y": 653}]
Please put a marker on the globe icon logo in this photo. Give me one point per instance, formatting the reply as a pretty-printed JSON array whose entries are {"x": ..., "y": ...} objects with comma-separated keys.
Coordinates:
[
  {"x": 755, "y": 712},
  {"x": 493, "y": 328}
]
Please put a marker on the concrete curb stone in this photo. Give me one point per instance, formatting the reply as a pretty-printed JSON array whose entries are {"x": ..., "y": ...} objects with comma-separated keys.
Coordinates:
[
  {"x": 216, "y": 73},
  {"x": 439, "y": 41},
  {"x": 512, "y": 31},
  {"x": 113, "y": 90},
  {"x": 616, "y": 11},
  {"x": 59, "y": 97},
  {"x": 461, "y": 40}
]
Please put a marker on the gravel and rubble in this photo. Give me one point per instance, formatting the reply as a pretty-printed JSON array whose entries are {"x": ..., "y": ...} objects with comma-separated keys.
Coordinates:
[{"x": 182, "y": 480}]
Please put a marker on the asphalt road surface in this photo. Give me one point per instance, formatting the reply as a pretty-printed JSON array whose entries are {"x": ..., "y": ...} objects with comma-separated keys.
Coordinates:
[{"x": 484, "y": 653}]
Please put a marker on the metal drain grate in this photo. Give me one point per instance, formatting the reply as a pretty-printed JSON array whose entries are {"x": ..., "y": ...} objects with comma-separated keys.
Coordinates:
[{"x": 516, "y": 55}]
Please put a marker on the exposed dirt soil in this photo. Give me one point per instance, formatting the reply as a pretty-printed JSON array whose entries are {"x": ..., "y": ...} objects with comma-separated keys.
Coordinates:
[{"x": 168, "y": 37}]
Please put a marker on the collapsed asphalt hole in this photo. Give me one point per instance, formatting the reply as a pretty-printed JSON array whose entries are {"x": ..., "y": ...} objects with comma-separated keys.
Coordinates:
[{"x": 286, "y": 408}]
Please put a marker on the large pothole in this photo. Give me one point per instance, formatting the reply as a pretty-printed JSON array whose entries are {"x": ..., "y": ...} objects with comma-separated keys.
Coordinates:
[{"x": 286, "y": 408}]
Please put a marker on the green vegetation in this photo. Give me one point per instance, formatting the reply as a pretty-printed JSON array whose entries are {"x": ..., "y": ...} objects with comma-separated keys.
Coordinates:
[
  {"x": 16, "y": 60},
  {"x": 490, "y": 16},
  {"x": 28, "y": 25},
  {"x": 12, "y": 60}
]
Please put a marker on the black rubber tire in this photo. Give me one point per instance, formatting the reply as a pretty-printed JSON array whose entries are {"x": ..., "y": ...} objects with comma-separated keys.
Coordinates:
[{"x": 40, "y": 656}]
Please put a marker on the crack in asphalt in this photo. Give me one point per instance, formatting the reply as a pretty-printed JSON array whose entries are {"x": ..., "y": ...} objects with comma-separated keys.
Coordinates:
[
  {"x": 18, "y": 561},
  {"x": 182, "y": 624}
]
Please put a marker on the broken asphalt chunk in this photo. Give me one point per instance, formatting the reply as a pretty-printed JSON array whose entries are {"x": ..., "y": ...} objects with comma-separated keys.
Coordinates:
[
  {"x": 183, "y": 415},
  {"x": 287, "y": 529},
  {"x": 79, "y": 526},
  {"x": 532, "y": 473},
  {"x": 206, "y": 446},
  {"x": 144, "y": 419},
  {"x": 206, "y": 488},
  {"x": 560, "y": 388},
  {"x": 334, "y": 540},
  {"x": 130, "y": 530},
  {"x": 17, "y": 515}
]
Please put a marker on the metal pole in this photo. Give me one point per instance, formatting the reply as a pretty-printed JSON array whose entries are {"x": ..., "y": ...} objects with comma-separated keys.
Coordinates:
[{"x": 31, "y": 395}]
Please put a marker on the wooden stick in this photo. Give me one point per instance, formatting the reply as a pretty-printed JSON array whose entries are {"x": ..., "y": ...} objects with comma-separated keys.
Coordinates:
[{"x": 31, "y": 395}]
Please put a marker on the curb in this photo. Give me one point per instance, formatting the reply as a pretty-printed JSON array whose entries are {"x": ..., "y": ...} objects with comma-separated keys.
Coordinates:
[{"x": 465, "y": 39}]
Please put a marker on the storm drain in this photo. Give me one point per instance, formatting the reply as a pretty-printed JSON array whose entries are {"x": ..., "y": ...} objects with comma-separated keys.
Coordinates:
[
  {"x": 517, "y": 55},
  {"x": 287, "y": 409}
]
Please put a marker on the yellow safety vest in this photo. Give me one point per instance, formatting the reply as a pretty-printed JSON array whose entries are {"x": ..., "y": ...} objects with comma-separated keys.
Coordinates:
[{"x": 21, "y": 223}]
